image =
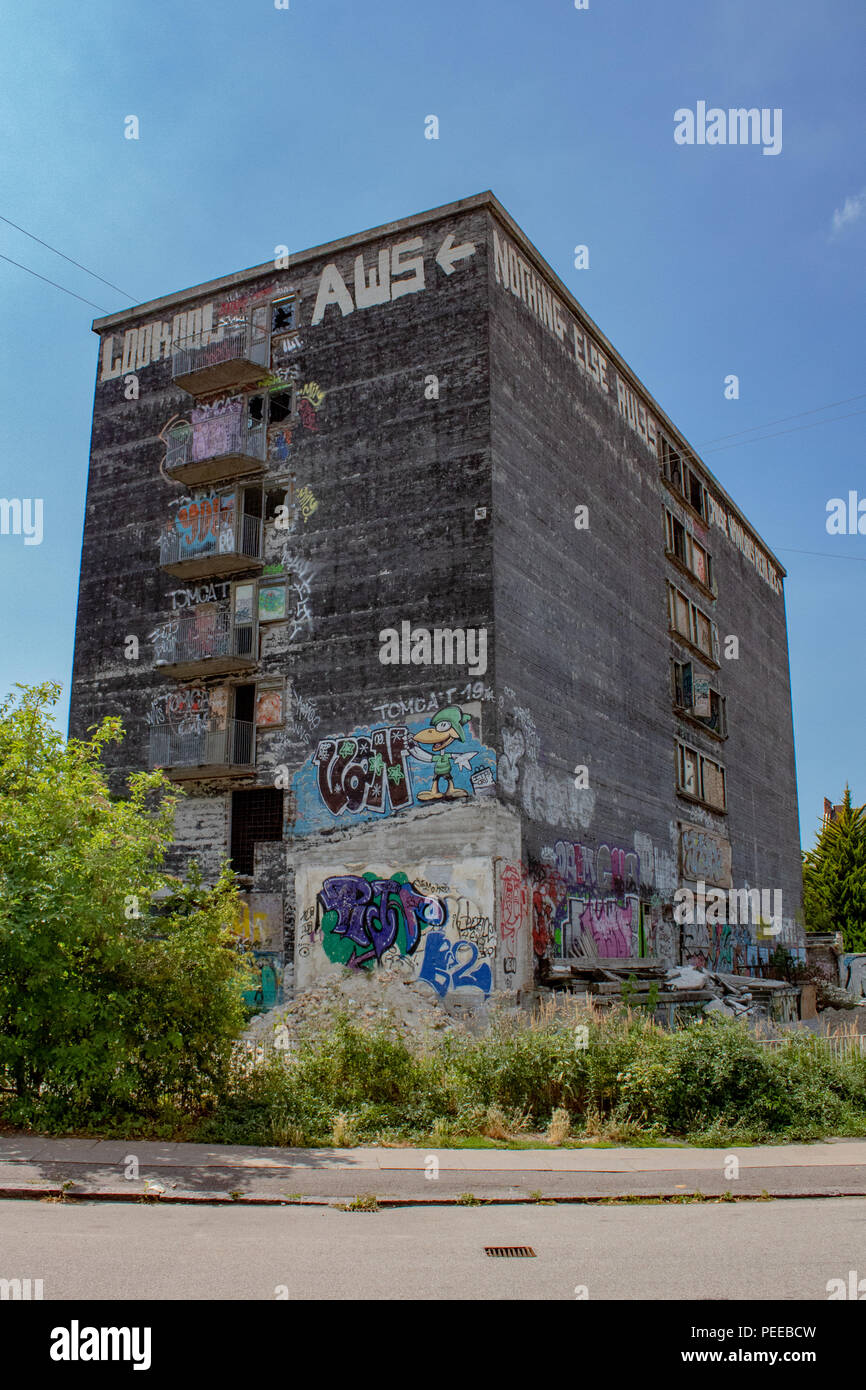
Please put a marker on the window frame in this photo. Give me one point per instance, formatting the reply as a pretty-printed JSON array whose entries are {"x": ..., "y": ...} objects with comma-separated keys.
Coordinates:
[
  {"x": 684, "y": 556},
  {"x": 679, "y": 685},
  {"x": 690, "y": 639},
  {"x": 685, "y": 751}
]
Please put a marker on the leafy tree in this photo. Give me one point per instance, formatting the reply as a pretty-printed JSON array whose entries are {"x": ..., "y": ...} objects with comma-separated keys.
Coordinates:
[
  {"x": 834, "y": 877},
  {"x": 104, "y": 1005}
]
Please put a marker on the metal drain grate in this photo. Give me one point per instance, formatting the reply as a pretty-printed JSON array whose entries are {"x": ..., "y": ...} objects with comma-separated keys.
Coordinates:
[{"x": 514, "y": 1251}]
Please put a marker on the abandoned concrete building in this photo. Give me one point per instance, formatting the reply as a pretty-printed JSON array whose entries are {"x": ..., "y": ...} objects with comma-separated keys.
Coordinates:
[{"x": 459, "y": 652}]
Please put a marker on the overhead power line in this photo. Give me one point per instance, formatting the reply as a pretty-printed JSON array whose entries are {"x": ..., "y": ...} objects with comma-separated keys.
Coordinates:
[
  {"x": 825, "y": 554},
  {"x": 9, "y": 221},
  {"x": 795, "y": 429},
  {"x": 783, "y": 421},
  {"x": 55, "y": 284}
]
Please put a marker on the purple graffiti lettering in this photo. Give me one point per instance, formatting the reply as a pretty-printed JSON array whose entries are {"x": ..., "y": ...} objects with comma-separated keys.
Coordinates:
[{"x": 371, "y": 911}]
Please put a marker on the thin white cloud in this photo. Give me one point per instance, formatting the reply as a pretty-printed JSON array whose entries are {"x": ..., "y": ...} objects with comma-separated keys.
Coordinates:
[{"x": 851, "y": 211}]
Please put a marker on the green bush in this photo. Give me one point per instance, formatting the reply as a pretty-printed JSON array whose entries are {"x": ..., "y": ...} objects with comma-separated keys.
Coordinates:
[{"x": 106, "y": 1010}]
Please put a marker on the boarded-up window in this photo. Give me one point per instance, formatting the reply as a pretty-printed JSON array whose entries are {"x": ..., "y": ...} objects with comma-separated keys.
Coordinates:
[
  {"x": 703, "y": 632},
  {"x": 714, "y": 783}
]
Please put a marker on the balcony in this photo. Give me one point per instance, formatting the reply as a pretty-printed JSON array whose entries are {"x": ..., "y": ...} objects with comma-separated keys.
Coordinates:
[
  {"x": 204, "y": 643},
  {"x": 239, "y": 359},
  {"x": 208, "y": 542},
  {"x": 224, "y": 446},
  {"x": 228, "y": 751}
]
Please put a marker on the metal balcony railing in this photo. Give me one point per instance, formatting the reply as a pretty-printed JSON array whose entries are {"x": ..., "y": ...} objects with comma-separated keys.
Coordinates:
[
  {"x": 229, "y": 746},
  {"x": 239, "y": 537},
  {"x": 225, "y": 436},
  {"x": 202, "y": 636},
  {"x": 214, "y": 362}
]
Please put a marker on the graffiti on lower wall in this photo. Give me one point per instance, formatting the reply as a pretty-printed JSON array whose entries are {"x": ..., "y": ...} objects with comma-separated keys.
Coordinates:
[
  {"x": 258, "y": 930},
  {"x": 362, "y": 917},
  {"x": 732, "y": 949},
  {"x": 430, "y": 924},
  {"x": 379, "y": 771},
  {"x": 606, "y": 901},
  {"x": 705, "y": 856}
]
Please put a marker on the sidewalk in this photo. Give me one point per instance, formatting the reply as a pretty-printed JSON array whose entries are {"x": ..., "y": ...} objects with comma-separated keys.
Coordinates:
[{"x": 36, "y": 1167}]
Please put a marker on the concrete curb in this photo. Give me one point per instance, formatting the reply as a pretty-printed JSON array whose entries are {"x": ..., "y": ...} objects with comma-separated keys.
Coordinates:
[{"x": 252, "y": 1199}]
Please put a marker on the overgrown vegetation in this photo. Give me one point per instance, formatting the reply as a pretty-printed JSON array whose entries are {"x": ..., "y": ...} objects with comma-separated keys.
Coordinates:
[
  {"x": 834, "y": 877},
  {"x": 115, "y": 1019},
  {"x": 524, "y": 1082},
  {"x": 109, "y": 1013}
]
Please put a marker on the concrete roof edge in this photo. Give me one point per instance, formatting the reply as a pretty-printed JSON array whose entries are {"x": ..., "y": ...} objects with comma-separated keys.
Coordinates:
[
  {"x": 225, "y": 282},
  {"x": 621, "y": 365},
  {"x": 476, "y": 200}
]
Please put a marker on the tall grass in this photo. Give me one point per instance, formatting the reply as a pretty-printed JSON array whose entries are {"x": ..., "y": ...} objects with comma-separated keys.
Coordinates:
[{"x": 620, "y": 1078}]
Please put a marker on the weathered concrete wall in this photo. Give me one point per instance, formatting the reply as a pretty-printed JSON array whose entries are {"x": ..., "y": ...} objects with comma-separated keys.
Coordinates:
[
  {"x": 583, "y": 652},
  {"x": 452, "y": 417},
  {"x": 420, "y": 895}
]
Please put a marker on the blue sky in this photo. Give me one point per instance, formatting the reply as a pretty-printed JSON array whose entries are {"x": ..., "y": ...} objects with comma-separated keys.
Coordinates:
[{"x": 260, "y": 127}]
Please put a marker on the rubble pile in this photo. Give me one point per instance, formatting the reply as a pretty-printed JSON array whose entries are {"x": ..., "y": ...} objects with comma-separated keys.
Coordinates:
[
  {"x": 641, "y": 981},
  {"x": 372, "y": 999}
]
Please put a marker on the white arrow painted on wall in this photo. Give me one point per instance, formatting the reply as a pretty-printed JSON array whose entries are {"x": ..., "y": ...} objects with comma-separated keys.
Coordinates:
[{"x": 449, "y": 252}]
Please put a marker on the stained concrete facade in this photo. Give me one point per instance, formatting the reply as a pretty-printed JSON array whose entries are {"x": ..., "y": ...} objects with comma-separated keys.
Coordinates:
[{"x": 404, "y": 481}]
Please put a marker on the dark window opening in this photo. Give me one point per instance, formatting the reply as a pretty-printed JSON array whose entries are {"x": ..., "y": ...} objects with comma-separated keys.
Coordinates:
[
  {"x": 256, "y": 816},
  {"x": 274, "y": 497},
  {"x": 256, "y": 408},
  {"x": 679, "y": 539},
  {"x": 696, "y": 493},
  {"x": 242, "y": 729},
  {"x": 252, "y": 501},
  {"x": 280, "y": 407},
  {"x": 282, "y": 315}
]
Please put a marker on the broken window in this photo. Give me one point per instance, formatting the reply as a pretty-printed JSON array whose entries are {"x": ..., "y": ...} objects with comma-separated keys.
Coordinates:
[
  {"x": 280, "y": 406},
  {"x": 283, "y": 314},
  {"x": 696, "y": 493}
]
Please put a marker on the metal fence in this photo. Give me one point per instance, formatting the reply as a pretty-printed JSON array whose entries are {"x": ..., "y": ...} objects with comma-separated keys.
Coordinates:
[
  {"x": 231, "y": 745},
  {"x": 838, "y": 1045},
  {"x": 206, "y": 633},
  {"x": 226, "y": 435},
  {"x": 241, "y": 537},
  {"x": 236, "y": 344}
]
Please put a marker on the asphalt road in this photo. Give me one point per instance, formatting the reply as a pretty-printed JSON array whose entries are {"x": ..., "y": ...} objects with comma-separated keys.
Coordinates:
[{"x": 755, "y": 1250}]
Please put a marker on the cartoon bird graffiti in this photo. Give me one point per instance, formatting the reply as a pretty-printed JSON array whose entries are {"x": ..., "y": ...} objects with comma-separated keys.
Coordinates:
[{"x": 431, "y": 746}]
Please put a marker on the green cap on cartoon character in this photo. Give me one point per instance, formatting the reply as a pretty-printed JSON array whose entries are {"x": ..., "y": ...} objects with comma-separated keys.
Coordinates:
[{"x": 446, "y": 727}]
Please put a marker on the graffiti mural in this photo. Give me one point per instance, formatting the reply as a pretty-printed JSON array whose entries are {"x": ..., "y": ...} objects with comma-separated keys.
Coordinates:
[
  {"x": 258, "y": 931},
  {"x": 362, "y": 917},
  {"x": 704, "y": 855},
  {"x": 216, "y": 427},
  {"x": 377, "y": 771},
  {"x": 299, "y": 612},
  {"x": 429, "y": 923},
  {"x": 454, "y": 966},
  {"x": 306, "y": 502},
  {"x": 184, "y": 711},
  {"x": 310, "y": 398}
]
